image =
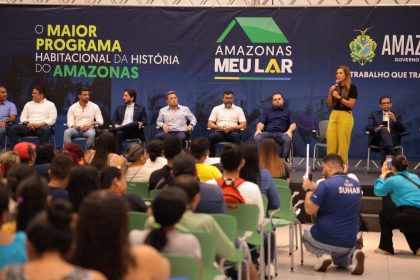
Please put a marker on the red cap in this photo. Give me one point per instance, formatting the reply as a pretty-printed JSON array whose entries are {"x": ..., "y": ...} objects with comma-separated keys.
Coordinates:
[{"x": 23, "y": 149}]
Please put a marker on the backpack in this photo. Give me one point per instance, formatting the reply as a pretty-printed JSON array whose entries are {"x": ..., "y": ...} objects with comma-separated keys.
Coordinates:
[{"x": 230, "y": 191}]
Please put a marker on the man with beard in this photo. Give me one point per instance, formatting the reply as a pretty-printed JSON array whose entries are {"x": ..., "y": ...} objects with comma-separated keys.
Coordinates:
[
  {"x": 275, "y": 122},
  {"x": 82, "y": 118},
  {"x": 226, "y": 121},
  {"x": 129, "y": 119}
]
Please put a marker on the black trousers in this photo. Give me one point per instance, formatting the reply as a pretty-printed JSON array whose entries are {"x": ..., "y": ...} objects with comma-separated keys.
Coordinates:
[{"x": 407, "y": 220}]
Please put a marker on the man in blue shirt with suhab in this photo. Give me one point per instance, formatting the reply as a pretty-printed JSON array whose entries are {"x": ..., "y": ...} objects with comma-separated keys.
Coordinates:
[
  {"x": 336, "y": 202},
  {"x": 8, "y": 112},
  {"x": 275, "y": 122}
]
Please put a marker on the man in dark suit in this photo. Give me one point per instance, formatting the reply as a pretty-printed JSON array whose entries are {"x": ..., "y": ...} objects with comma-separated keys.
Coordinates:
[
  {"x": 385, "y": 128},
  {"x": 129, "y": 119}
]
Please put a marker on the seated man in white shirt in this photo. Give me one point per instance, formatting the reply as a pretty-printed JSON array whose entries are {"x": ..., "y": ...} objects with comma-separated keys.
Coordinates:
[
  {"x": 82, "y": 118},
  {"x": 226, "y": 120},
  {"x": 37, "y": 118}
]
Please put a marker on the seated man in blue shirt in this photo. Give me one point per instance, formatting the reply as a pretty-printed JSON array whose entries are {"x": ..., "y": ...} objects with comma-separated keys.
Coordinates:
[
  {"x": 336, "y": 202},
  {"x": 8, "y": 113},
  {"x": 174, "y": 119},
  {"x": 275, "y": 122}
]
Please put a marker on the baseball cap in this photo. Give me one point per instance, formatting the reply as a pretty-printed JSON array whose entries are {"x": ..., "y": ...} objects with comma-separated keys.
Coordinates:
[{"x": 25, "y": 149}]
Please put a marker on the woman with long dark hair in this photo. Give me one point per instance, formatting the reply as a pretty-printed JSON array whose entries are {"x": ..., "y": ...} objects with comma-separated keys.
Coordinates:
[
  {"x": 102, "y": 242},
  {"x": 49, "y": 241},
  {"x": 105, "y": 152},
  {"x": 341, "y": 97},
  {"x": 252, "y": 172},
  {"x": 404, "y": 189},
  {"x": 83, "y": 180}
]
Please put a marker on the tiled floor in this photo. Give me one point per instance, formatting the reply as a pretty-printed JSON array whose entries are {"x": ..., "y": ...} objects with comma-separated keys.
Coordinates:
[{"x": 402, "y": 266}]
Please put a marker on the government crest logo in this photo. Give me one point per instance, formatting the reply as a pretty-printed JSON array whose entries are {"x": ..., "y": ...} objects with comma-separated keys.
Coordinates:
[{"x": 362, "y": 48}]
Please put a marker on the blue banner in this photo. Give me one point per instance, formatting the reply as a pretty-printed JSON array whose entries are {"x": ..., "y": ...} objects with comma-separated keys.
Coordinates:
[{"x": 199, "y": 53}]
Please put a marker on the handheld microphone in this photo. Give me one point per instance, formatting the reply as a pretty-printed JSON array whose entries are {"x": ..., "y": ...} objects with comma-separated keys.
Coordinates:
[{"x": 337, "y": 84}]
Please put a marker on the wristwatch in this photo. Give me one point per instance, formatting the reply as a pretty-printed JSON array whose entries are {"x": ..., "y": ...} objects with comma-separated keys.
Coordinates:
[{"x": 308, "y": 190}]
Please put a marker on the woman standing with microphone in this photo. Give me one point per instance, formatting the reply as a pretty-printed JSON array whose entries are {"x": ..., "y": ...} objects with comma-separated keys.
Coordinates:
[{"x": 341, "y": 97}]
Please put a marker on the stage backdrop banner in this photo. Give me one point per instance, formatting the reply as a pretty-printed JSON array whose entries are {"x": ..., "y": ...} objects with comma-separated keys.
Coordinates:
[{"x": 201, "y": 52}]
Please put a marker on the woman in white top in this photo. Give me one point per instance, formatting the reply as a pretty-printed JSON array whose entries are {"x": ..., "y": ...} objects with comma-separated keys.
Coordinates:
[
  {"x": 168, "y": 208},
  {"x": 143, "y": 163}
]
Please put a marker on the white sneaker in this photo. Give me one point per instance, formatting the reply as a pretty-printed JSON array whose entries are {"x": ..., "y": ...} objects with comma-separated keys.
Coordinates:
[
  {"x": 323, "y": 263},
  {"x": 270, "y": 271},
  {"x": 358, "y": 263}
]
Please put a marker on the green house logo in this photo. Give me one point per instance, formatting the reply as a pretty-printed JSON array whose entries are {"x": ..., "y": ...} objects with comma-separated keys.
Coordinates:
[
  {"x": 257, "y": 29},
  {"x": 362, "y": 48}
]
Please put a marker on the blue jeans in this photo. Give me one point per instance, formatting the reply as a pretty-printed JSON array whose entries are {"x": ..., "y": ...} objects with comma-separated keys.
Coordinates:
[
  {"x": 342, "y": 257},
  {"x": 70, "y": 133},
  {"x": 218, "y": 136},
  {"x": 283, "y": 140}
]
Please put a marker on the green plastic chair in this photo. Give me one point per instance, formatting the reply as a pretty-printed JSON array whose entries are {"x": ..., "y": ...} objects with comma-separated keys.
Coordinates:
[
  {"x": 287, "y": 216},
  {"x": 139, "y": 188},
  {"x": 229, "y": 225},
  {"x": 153, "y": 194},
  {"x": 137, "y": 220},
  {"x": 281, "y": 182},
  {"x": 183, "y": 266},
  {"x": 247, "y": 217},
  {"x": 265, "y": 203},
  {"x": 208, "y": 254}
]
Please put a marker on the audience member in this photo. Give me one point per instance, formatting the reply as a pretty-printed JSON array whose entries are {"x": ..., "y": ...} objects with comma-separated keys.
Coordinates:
[
  {"x": 198, "y": 221},
  {"x": 211, "y": 197},
  {"x": 113, "y": 179},
  {"x": 49, "y": 242},
  {"x": 404, "y": 189},
  {"x": 105, "y": 152},
  {"x": 12, "y": 245},
  {"x": 252, "y": 172},
  {"x": 269, "y": 159},
  {"x": 171, "y": 147},
  {"x": 199, "y": 148},
  {"x": 59, "y": 173},
  {"x": 45, "y": 153},
  {"x": 232, "y": 161},
  {"x": 336, "y": 202},
  {"x": 31, "y": 198},
  {"x": 136, "y": 156},
  {"x": 7, "y": 161},
  {"x": 15, "y": 175},
  {"x": 167, "y": 209},
  {"x": 26, "y": 152},
  {"x": 155, "y": 160},
  {"x": 83, "y": 180},
  {"x": 102, "y": 242},
  {"x": 75, "y": 152}
]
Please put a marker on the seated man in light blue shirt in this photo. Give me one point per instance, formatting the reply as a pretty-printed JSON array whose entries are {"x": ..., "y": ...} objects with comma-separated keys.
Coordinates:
[
  {"x": 8, "y": 113},
  {"x": 174, "y": 119}
]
